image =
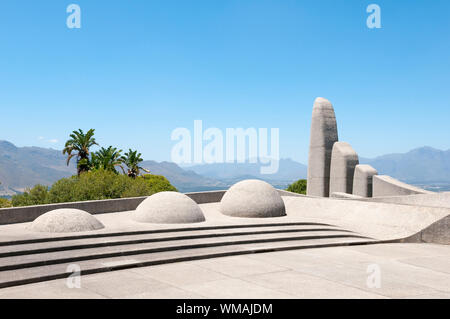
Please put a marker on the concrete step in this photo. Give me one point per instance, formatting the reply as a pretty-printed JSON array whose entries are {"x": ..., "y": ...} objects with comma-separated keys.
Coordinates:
[
  {"x": 60, "y": 237},
  {"x": 9, "y": 278},
  {"x": 160, "y": 244},
  {"x": 39, "y": 248}
]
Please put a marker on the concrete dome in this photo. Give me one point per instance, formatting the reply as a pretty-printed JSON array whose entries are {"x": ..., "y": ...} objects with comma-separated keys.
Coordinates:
[
  {"x": 169, "y": 208},
  {"x": 67, "y": 220},
  {"x": 252, "y": 198}
]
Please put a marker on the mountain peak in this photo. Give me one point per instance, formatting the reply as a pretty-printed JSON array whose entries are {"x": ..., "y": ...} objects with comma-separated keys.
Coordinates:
[{"x": 7, "y": 146}]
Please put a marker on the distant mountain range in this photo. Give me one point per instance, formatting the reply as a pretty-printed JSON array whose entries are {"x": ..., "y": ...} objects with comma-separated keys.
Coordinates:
[
  {"x": 22, "y": 167},
  {"x": 230, "y": 173},
  {"x": 27, "y": 166},
  {"x": 183, "y": 180},
  {"x": 421, "y": 165}
]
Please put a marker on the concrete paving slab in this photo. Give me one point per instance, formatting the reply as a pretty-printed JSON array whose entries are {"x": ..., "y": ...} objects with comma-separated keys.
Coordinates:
[
  {"x": 180, "y": 274},
  {"x": 306, "y": 286},
  {"x": 397, "y": 251},
  {"x": 56, "y": 289},
  {"x": 128, "y": 283},
  {"x": 304, "y": 274},
  {"x": 167, "y": 293},
  {"x": 235, "y": 288},
  {"x": 397, "y": 280},
  {"x": 238, "y": 266},
  {"x": 439, "y": 263}
]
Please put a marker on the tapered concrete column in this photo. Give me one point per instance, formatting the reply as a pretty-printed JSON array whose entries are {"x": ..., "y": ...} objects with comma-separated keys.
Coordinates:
[
  {"x": 323, "y": 135},
  {"x": 363, "y": 180},
  {"x": 343, "y": 162}
]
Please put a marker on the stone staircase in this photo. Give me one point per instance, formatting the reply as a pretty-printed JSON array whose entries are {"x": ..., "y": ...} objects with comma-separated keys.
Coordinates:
[{"x": 36, "y": 260}]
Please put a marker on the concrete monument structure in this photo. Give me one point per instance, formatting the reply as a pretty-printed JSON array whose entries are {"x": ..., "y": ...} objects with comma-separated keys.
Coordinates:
[
  {"x": 252, "y": 198},
  {"x": 323, "y": 135},
  {"x": 343, "y": 162},
  {"x": 169, "y": 208},
  {"x": 384, "y": 225},
  {"x": 363, "y": 180},
  {"x": 388, "y": 186},
  {"x": 66, "y": 221}
]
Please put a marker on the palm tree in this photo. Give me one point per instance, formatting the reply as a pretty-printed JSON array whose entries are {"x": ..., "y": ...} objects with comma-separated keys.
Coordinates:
[
  {"x": 132, "y": 159},
  {"x": 107, "y": 159},
  {"x": 78, "y": 145}
]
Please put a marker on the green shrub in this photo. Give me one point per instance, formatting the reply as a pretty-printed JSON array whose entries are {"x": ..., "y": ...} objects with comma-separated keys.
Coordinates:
[
  {"x": 38, "y": 195},
  {"x": 298, "y": 187},
  {"x": 94, "y": 185},
  {"x": 4, "y": 203}
]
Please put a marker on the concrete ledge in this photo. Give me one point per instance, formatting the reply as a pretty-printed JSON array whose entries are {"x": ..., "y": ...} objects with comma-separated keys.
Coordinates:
[
  {"x": 338, "y": 195},
  {"x": 384, "y": 185},
  {"x": 423, "y": 200},
  {"x": 289, "y": 194},
  {"x": 28, "y": 214}
]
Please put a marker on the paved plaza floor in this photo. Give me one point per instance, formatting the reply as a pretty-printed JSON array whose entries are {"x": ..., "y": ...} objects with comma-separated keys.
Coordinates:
[{"x": 368, "y": 271}]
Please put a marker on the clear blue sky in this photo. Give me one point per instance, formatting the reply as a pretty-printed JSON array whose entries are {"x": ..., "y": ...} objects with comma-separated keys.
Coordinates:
[{"x": 138, "y": 69}]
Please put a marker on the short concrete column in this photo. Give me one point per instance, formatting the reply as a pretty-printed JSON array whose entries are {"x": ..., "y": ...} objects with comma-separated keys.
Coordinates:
[
  {"x": 363, "y": 180},
  {"x": 343, "y": 162}
]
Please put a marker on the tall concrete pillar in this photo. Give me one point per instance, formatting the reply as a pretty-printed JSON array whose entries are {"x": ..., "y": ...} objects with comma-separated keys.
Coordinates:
[
  {"x": 363, "y": 180},
  {"x": 323, "y": 135},
  {"x": 343, "y": 162}
]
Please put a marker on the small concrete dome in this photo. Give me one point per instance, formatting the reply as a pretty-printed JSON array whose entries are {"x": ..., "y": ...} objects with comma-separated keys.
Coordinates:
[
  {"x": 252, "y": 198},
  {"x": 67, "y": 220},
  {"x": 169, "y": 208}
]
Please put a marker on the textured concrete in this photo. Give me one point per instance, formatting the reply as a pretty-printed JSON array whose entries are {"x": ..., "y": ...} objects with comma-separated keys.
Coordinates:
[
  {"x": 363, "y": 180},
  {"x": 438, "y": 232},
  {"x": 323, "y": 135},
  {"x": 345, "y": 196},
  {"x": 343, "y": 162},
  {"x": 66, "y": 221},
  {"x": 169, "y": 208},
  {"x": 30, "y": 213},
  {"x": 382, "y": 221},
  {"x": 406, "y": 271},
  {"x": 388, "y": 186},
  {"x": 425, "y": 200},
  {"x": 252, "y": 199}
]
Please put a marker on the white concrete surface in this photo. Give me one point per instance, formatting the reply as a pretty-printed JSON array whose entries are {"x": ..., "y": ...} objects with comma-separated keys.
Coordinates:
[
  {"x": 363, "y": 180},
  {"x": 403, "y": 270},
  {"x": 343, "y": 162},
  {"x": 66, "y": 220},
  {"x": 384, "y": 185},
  {"x": 168, "y": 208},
  {"x": 253, "y": 199},
  {"x": 382, "y": 221},
  {"x": 323, "y": 135}
]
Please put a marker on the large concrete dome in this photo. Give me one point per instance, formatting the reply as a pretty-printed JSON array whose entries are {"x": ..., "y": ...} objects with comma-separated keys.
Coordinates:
[
  {"x": 169, "y": 208},
  {"x": 66, "y": 220},
  {"x": 252, "y": 198}
]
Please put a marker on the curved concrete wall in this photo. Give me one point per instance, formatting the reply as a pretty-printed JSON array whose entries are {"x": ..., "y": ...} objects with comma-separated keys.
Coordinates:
[
  {"x": 384, "y": 185},
  {"x": 381, "y": 221},
  {"x": 323, "y": 135},
  {"x": 30, "y": 213},
  {"x": 438, "y": 233},
  {"x": 343, "y": 162}
]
